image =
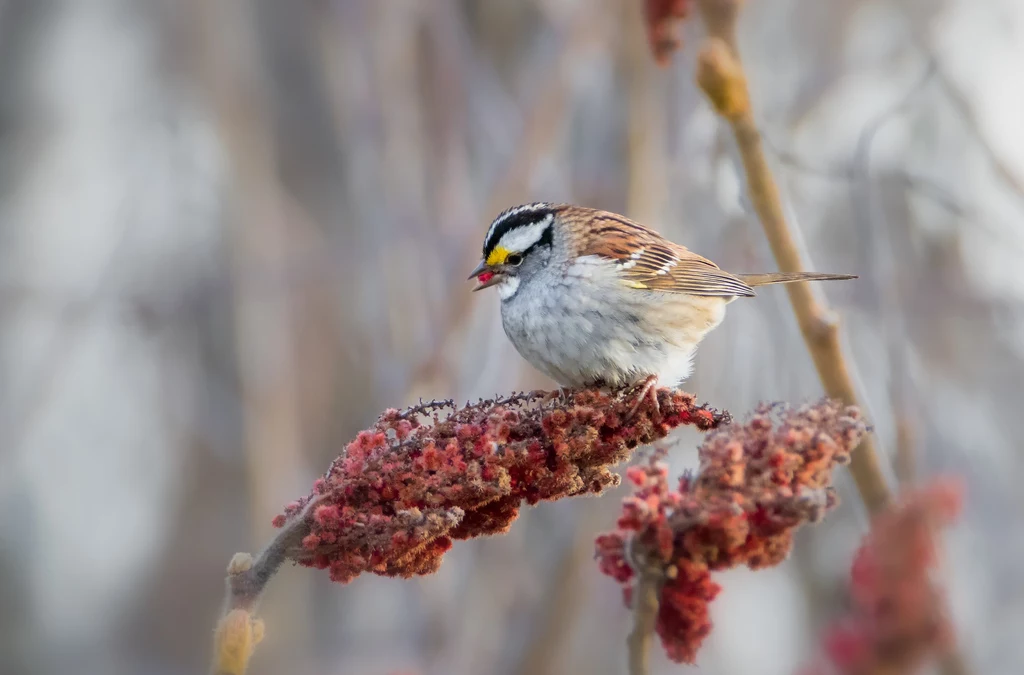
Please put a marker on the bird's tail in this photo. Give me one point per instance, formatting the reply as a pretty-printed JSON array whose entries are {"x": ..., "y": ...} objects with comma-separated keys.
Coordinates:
[{"x": 767, "y": 278}]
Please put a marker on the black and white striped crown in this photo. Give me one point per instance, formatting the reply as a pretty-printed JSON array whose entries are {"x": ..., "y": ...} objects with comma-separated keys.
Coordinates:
[{"x": 537, "y": 217}]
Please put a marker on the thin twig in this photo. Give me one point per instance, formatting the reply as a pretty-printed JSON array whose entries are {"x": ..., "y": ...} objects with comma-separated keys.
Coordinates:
[
  {"x": 246, "y": 580},
  {"x": 646, "y": 602},
  {"x": 721, "y": 77},
  {"x": 238, "y": 630}
]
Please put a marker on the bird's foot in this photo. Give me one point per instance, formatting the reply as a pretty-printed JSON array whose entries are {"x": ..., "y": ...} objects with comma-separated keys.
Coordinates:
[
  {"x": 560, "y": 394},
  {"x": 648, "y": 389}
]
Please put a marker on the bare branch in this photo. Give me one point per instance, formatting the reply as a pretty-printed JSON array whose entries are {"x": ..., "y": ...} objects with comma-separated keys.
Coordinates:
[
  {"x": 721, "y": 76},
  {"x": 238, "y": 630}
]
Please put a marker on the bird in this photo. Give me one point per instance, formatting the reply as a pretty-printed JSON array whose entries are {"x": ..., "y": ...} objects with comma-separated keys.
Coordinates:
[{"x": 591, "y": 298}]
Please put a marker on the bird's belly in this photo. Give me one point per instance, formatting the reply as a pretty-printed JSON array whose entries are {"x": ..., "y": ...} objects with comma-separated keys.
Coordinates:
[{"x": 582, "y": 340}]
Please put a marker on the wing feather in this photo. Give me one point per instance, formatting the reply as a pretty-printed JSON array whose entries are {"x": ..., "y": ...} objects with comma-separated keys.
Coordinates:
[{"x": 646, "y": 260}]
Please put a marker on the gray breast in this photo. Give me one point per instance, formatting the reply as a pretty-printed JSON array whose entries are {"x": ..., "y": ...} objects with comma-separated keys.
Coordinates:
[
  {"x": 583, "y": 327},
  {"x": 568, "y": 329}
]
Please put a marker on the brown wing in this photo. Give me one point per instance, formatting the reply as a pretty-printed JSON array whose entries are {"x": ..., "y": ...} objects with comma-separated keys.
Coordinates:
[{"x": 647, "y": 260}]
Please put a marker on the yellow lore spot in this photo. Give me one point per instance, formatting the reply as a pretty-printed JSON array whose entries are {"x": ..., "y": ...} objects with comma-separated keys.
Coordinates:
[{"x": 497, "y": 255}]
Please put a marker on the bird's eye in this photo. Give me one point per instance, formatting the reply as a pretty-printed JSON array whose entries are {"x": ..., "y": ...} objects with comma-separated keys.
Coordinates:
[{"x": 514, "y": 259}]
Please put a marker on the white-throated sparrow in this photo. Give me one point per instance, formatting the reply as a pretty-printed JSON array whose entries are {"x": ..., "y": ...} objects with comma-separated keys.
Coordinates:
[{"x": 590, "y": 297}]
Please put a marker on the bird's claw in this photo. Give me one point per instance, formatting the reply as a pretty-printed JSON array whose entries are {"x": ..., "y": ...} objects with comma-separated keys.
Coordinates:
[
  {"x": 648, "y": 389},
  {"x": 559, "y": 394}
]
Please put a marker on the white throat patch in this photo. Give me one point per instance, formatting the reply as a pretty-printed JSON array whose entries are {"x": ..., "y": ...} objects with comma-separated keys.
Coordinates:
[
  {"x": 522, "y": 238},
  {"x": 508, "y": 287}
]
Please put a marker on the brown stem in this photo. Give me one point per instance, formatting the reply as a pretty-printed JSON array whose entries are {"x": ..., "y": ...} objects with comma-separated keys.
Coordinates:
[
  {"x": 238, "y": 630},
  {"x": 646, "y": 602},
  {"x": 720, "y": 75}
]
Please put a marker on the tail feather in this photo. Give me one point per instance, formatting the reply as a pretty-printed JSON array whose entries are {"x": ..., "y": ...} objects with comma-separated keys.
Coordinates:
[{"x": 767, "y": 278}]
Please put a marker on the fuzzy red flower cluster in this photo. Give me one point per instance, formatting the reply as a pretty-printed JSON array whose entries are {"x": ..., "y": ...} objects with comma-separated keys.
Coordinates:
[
  {"x": 756, "y": 483},
  {"x": 662, "y": 17},
  {"x": 404, "y": 489},
  {"x": 898, "y": 618}
]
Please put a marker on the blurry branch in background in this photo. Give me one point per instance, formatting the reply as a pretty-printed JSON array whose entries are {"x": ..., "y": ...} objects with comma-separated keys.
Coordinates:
[
  {"x": 898, "y": 620},
  {"x": 927, "y": 188},
  {"x": 646, "y": 605},
  {"x": 565, "y": 592},
  {"x": 905, "y": 462},
  {"x": 262, "y": 225},
  {"x": 62, "y": 347},
  {"x": 647, "y": 165},
  {"x": 885, "y": 246},
  {"x": 543, "y": 123},
  {"x": 399, "y": 495},
  {"x": 921, "y": 186},
  {"x": 645, "y": 200},
  {"x": 856, "y": 170},
  {"x": 970, "y": 118},
  {"x": 720, "y": 75},
  {"x": 962, "y": 104}
]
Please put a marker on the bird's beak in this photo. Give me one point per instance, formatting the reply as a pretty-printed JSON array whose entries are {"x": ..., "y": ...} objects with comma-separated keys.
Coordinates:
[{"x": 485, "y": 275}]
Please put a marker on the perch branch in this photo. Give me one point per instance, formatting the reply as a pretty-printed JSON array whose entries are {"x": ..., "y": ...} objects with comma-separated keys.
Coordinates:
[
  {"x": 403, "y": 490},
  {"x": 238, "y": 630},
  {"x": 721, "y": 76}
]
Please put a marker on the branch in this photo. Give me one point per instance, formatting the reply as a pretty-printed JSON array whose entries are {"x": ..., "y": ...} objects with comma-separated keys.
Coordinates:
[
  {"x": 650, "y": 576},
  {"x": 419, "y": 479},
  {"x": 238, "y": 630},
  {"x": 721, "y": 76}
]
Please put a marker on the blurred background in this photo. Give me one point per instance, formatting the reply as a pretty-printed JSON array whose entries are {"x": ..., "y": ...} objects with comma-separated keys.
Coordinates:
[{"x": 231, "y": 232}]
